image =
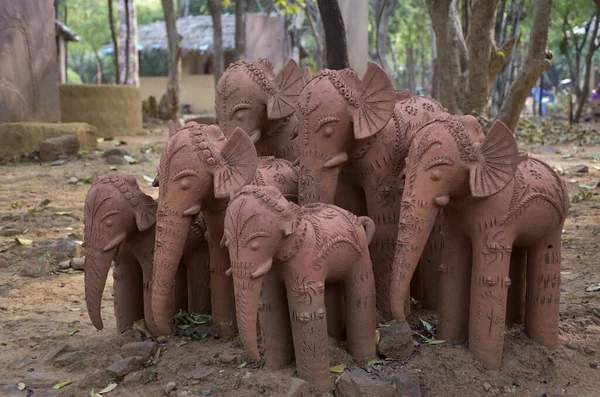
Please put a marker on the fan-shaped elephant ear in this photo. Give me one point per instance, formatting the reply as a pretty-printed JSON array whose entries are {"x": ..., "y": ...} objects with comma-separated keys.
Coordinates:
[
  {"x": 172, "y": 128},
  {"x": 145, "y": 212},
  {"x": 307, "y": 74},
  {"x": 238, "y": 166},
  {"x": 497, "y": 162},
  {"x": 375, "y": 103},
  {"x": 288, "y": 85}
]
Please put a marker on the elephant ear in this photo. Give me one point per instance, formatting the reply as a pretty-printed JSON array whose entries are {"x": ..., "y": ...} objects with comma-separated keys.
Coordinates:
[
  {"x": 375, "y": 104},
  {"x": 307, "y": 74},
  {"x": 497, "y": 162},
  {"x": 288, "y": 85},
  {"x": 145, "y": 214},
  {"x": 172, "y": 128},
  {"x": 239, "y": 163}
]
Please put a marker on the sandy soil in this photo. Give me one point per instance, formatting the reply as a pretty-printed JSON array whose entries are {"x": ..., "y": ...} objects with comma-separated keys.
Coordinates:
[{"x": 39, "y": 313}]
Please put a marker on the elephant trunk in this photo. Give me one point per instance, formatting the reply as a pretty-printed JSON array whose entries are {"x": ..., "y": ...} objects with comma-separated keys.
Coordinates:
[
  {"x": 171, "y": 234},
  {"x": 319, "y": 177},
  {"x": 247, "y": 298},
  {"x": 416, "y": 222},
  {"x": 97, "y": 265}
]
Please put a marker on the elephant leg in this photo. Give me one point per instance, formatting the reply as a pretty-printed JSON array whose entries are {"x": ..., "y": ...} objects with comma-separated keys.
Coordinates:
[
  {"x": 221, "y": 287},
  {"x": 543, "y": 291},
  {"x": 334, "y": 305},
  {"x": 309, "y": 330},
  {"x": 128, "y": 292},
  {"x": 275, "y": 327},
  {"x": 430, "y": 262},
  {"x": 361, "y": 312},
  {"x": 198, "y": 281},
  {"x": 515, "y": 306},
  {"x": 455, "y": 285},
  {"x": 181, "y": 293},
  {"x": 489, "y": 287}
]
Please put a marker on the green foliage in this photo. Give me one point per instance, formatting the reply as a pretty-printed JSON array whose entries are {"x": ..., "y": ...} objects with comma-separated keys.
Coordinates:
[
  {"x": 154, "y": 63},
  {"x": 73, "y": 77}
]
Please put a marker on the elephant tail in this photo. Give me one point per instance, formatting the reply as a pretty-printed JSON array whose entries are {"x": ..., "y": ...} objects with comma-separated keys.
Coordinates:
[{"x": 369, "y": 226}]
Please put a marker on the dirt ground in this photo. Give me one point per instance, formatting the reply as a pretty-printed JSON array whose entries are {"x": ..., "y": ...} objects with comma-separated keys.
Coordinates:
[{"x": 38, "y": 314}]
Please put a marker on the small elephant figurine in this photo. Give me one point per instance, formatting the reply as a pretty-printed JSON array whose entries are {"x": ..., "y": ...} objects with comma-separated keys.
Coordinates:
[
  {"x": 500, "y": 206},
  {"x": 199, "y": 169},
  {"x": 282, "y": 256},
  {"x": 119, "y": 223},
  {"x": 250, "y": 96}
]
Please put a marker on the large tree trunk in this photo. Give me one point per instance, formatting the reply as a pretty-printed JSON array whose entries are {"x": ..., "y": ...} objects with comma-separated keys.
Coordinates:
[
  {"x": 381, "y": 35},
  {"x": 128, "y": 68},
  {"x": 173, "y": 85},
  {"x": 240, "y": 30},
  {"x": 335, "y": 34},
  {"x": 113, "y": 34},
  {"x": 410, "y": 67},
  {"x": 585, "y": 90},
  {"x": 537, "y": 60},
  {"x": 314, "y": 21},
  {"x": 215, "y": 11}
]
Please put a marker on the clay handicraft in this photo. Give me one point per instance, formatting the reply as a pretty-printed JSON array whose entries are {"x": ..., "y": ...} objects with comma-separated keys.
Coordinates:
[
  {"x": 502, "y": 210},
  {"x": 119, "y": 225},
  {"x": 282, "y": 256},
  {"x": 199, "y": 169}
]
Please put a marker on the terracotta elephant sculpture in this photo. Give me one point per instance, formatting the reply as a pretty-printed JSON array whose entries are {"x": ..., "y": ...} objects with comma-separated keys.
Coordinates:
[
  {"x": 249, "y": 95},
  {"x": 281, "y": 257},
  {"x": 361, "y": 129},
  {"x": 199, "y": 169},
  {"x": 119, "y": 225},
  {"x": 498, "y": 205}
]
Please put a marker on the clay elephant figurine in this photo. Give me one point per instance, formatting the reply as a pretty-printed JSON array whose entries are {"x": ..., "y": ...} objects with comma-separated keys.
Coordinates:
[
  {"x": 199, "y": 169},
  {"x": 249, "y": 95},
  {"x": 282, "y": 256},
  {"x": 119, "y": 224},
  {"x": 499, "y": 206},
  {"x": 361, "y": 130}
]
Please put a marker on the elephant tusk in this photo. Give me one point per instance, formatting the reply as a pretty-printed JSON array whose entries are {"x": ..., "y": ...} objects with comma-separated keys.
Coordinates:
[
  {"x": 112, "y": 244},
  {"x": 255, "y": 136},
  {"x": 442, "y": 200},
  {"x": 155, "y": 181},
  {"x": 262, "y": 269},
  {"x": 193, "y": 210},
  {"x": 228, "y": 272},
  {"x": 336, "y": 160},
  {"x": 224, "y": 242}
]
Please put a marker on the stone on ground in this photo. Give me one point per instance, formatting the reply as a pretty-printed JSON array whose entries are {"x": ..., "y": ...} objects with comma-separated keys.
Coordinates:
[
  {"x": 200, "y": 372},
  {"x": 125, "y": 366},
  {"x": 407, "y": 385},
  {"x": 169, "y": 387},
  {"x": 141, "y": 377},
  {"x": 68, "y": 358},
  {"x": 359, "y": 383},
  {"x": 396, "y": 340},
  {"x": 55, "y": 352},
  {"x": 78, "y": 263},
  {"x": 579, "y": 169},
  {"x": 96, "y": 380},
  {"x": 35, "y": 268},
  {"x": 145, "y": 350},
  {"x": 58, "y": 147}
]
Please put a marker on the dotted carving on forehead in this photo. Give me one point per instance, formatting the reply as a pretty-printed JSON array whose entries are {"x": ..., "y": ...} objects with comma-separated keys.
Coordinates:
[
  {"x": 202, "y": 145},
  {"x": 343, "y": 88},
  {"x": 456, "y": 129},
  {"x": 256, "y": 73},
  {"x": 122, "y": 186},
  {"x": 269, "y": 201}
]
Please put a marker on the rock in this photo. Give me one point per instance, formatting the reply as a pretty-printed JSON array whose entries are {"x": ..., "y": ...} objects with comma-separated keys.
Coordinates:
[
  {"x": 78, "y": 263},
  {"x": 396, "y": 340},
  {"x": 169, "y": 387},
  {"x": 228, "y": 359},
  {"x": 115, "y": 357},
  {"x": 487, "y": 386},
  {"x": 200, "y": 372},
  {"x": 56, "y": 163},
  {"x": 64, "y": 265},
  {"x": 10, "y": 232},
  {"x": 182, "y": 393},
  {"x": 68, "y": 358},
  {"x": 11, "y": 391},
  {"x": 544, "y": 149},
  {"x": 142, "y": 349},
  {"x": 66, "y": 249},
  {"x": 55, "y": 352},
  {"x": 115, "y": 152},
  {"x": 594, "y": 365},
  {"x": 97, "y": 380},
  {"x": 131, "y": 335},
  {"x": 578, "y": 169},
  {"x": 300, "y": 388},
  {"x": 25, "y": 361},
  {"x": 36, "y": 268},
  {"x": 140, "y": 377},
  {"x": 125, "y": 366},
  {"x": 201, "y": 330},
  {"x": 53, "y": 148},
  {"x": 358, "y": 383},
  {"x": 116, "y": 160},
  {"x": 47, "y": 393},
  {"x": 406, "y": 385},
  {"x": 39, "y": 379}
]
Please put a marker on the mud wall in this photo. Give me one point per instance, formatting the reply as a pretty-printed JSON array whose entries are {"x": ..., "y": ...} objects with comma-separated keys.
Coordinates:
[
  {"x": 197, "y": 90},
  {"x": 113, "y": 109}
]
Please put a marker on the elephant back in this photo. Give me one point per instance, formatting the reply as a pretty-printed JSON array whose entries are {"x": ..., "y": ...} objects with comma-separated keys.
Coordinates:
[{"x": 279, "y": 173}]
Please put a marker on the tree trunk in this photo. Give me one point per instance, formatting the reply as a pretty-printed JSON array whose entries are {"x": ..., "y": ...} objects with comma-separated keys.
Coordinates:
[
  {"x": 410, "y": 67},
  {"x": 215, "y": 11},
  {"x": 537, "y": 60},
  {"x": 240, "y": 30},
  {"x": 316, "y": 28},
  {"x": 381, "y": 35},
  {"x": 111, "y": 21},
  {"x": 335, "y": 34},
  {"x": 585, "y": 90},
  {"x": 127, "y": 41},
  {"x": 173, "y": 84}
]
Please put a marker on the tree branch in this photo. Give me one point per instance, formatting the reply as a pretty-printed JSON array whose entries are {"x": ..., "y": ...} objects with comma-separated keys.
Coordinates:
[{"x": 335, "y": 34}]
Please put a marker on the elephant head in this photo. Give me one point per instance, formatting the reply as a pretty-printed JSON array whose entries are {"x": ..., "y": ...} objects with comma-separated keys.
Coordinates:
[
  {"x": 249, "y": 95},
  {"x": 449, "y": 161},
  {"x": 198, "y": 166},
  {"x": 335, "y": 110},
  {"x": 259, "y": 224},
  {"x": 115, "y": 209}
]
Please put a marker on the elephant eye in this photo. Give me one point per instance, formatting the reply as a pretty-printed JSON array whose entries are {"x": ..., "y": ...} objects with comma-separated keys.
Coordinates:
[
  {"x": 109, "y": 222},
  {"x": 255, "y": 245},
  {"x": 439, "y": 161},
  {"x": 235, "y": 111},
  {"x": 184, "y": 184},
  {"x": 251, "y": 238}
]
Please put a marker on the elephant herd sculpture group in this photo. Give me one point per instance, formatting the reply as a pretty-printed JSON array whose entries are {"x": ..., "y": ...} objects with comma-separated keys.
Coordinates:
[{"x": 363, "y": 197}]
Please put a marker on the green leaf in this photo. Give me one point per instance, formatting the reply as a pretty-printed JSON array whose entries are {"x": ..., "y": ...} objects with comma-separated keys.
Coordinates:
[
  {"x": 94, "y": 394},
  {"x": 377, "y": 337},
  {"x": 73, "y": 332},
  {"x": 501, "y": 54},
  {"x": 181, "y": 343},
  {"x": 373, "y": 362},
  {"x": 113, "y": 168},
  {"x": 63, "y": 384},
  {"x": 435, "y": 342},
  {"x": 129, "y": 159},
  {"x": 338, "y": 369},
  {"x": 148, "y": 179},
  {"x": 63, "y": 213},
  {"x": 596, "y": 312},
  {"x": 427, "y": 325},
  {"x": 39, "y": 207},
  {"x": 21, "y": 386},
  {"x": 23, "y": 241},
  {"x": 242, "y": 365},
  {"x": 108, "y": 388},
  {"x": 16, "y": 205},
  {"x": 593, "y": 288}
]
